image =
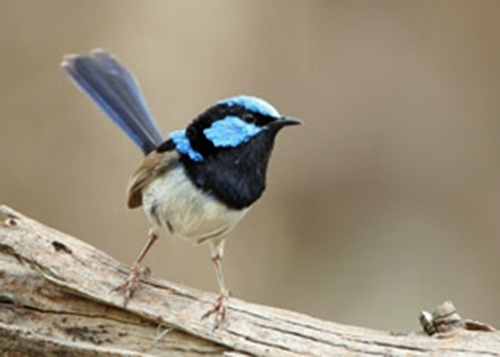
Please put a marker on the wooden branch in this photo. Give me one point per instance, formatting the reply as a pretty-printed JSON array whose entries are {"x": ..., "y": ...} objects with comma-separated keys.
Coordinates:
[{"x": 56, "y": 298}]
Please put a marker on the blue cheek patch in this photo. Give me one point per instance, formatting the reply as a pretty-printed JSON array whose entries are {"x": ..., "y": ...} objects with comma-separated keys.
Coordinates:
[
  {"x": 230, "y": 132},
  {"x": 183, "y": 145}
]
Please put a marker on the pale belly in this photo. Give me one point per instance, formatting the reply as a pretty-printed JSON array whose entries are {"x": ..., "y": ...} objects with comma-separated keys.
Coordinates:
[{"x": 171, "y": 201}]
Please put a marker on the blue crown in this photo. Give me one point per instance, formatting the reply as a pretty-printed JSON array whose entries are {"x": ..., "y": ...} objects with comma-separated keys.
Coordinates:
[{"x": 253, "y": 104}]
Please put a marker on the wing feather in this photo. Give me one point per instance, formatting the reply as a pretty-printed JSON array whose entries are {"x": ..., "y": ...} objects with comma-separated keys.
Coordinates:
[{"x": 154, "y": 165}]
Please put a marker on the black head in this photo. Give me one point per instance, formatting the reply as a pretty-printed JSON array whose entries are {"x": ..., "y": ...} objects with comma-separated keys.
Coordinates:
[{"x": 226, "y": 149}]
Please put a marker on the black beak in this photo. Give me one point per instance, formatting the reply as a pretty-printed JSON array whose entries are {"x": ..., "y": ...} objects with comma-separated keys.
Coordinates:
[{"x": 284, "y": 121}]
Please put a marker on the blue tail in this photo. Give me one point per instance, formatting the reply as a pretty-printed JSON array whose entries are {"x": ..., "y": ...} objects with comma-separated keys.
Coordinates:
[{"x": 116, "y": 92}]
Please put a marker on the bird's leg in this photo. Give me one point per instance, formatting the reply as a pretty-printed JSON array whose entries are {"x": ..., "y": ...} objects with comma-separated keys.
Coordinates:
[
  {"x": 220, "y": 306},
  {"x": 130, "y": 284}
]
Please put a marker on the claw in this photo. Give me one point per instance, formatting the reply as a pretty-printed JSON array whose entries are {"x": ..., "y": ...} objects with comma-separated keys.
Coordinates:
[
  {"x": 219, "y": 308},
  {"x": 132, "y": 282}
]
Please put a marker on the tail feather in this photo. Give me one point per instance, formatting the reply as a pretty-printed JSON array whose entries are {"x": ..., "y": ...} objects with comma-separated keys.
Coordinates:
[{"x": 117, "y": 93}]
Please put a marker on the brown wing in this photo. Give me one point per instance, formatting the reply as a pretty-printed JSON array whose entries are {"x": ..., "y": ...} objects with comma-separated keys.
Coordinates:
[{"x": 155, "y": 164}]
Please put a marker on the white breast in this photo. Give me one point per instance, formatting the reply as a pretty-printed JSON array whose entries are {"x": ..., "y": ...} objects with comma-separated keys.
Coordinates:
[{"x": 173, "y": 202}]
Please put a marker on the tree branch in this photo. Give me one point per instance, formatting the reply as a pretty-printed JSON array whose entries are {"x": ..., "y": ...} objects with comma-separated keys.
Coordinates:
[{"x": 56, "y": 298}]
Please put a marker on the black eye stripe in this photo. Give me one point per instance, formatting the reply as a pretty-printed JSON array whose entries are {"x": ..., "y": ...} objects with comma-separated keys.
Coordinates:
[
  {"x": 221, "y": 111},
  {"x": 250, "y": 117}
]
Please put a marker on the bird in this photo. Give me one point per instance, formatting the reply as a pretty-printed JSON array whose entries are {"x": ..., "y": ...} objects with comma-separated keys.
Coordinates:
[{"x": 196, "y": 183}]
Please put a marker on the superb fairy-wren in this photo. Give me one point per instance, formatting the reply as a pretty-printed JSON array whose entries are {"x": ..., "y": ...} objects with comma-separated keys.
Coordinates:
[{"x": 200, "y": 181}]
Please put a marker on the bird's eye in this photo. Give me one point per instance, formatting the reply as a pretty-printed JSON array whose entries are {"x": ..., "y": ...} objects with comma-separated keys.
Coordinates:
[{"x": 249, "y": 118}]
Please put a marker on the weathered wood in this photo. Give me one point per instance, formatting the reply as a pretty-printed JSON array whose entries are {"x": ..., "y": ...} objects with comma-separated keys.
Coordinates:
[{"x": 56, "y": 298}]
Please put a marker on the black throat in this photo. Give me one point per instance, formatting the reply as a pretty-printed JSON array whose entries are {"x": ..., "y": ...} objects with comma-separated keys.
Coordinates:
[{"x": 236, "y": 175}]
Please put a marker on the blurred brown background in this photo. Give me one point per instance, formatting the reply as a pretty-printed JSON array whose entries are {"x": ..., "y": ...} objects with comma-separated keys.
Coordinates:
[{"x": 385, "y": 202}]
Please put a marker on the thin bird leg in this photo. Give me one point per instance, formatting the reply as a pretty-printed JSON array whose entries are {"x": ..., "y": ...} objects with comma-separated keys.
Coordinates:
[
  {"x": 130, "y": 285},
  {"x": 220, "y": 306}
]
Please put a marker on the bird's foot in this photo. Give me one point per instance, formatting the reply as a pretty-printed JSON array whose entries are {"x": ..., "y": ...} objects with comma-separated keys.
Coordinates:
[
  {"x": 219, "y": 308},
  {"x": 131, "y": 283}
]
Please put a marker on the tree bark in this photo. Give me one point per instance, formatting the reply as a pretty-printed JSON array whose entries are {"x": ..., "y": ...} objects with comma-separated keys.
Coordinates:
[{"x": 56, "y": 297}]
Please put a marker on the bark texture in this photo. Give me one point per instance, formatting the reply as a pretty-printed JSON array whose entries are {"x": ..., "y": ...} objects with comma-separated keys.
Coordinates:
[{"x": 56, "y": 297}]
